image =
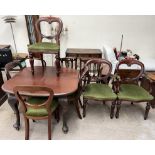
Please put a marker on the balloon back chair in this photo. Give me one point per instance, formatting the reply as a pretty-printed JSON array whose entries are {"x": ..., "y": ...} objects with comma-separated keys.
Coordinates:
[
  {"x": 38, "y": 49},
  {"x": 95, "y": 77},
  {"x": 127, "y": 86},
  {"x": 34, "y": 107}
]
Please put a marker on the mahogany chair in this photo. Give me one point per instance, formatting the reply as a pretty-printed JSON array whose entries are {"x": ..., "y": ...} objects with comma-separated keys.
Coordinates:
[
  {"x": 71, "y": 62},
  {"x": 9, "y": 67},
  {"x": 95, "y": 85},
  {"x": 36, "y": 108},
  {"x": 38, "y": 49},
  {"x": 127, "y": 84}
]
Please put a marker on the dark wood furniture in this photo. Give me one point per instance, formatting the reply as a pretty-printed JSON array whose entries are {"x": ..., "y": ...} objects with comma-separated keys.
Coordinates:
[
  {"x": 38, "y": 49},
  {"x": 95, "y": 83},
  {"x": 36, "y": 108},
  {"x": 63, "y": 85},
  {"x": 78, "y": 53},
  {"x": 127, "y": 85},
  {"x": 149, "y": 84}
]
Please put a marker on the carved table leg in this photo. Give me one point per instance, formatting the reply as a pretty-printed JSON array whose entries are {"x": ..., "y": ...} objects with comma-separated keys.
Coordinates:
[
  {"x": 14, "y": 105},
  {"x": 64, "y": 111},
  {"x": 31, "y": 62},
  {"x": 57, "y": 64}
]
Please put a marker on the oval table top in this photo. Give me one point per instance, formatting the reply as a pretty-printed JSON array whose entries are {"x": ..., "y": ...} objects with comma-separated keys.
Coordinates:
[{"x": 65, "y": 84}]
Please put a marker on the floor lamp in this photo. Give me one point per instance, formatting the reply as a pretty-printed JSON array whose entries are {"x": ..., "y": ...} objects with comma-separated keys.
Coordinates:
[{"x": 10, "y": 20}]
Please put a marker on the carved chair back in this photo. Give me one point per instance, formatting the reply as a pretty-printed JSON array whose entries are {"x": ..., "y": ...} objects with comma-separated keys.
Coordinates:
[
  {"x": 57, "y": 31},
  {"x": 96, "y": 70},
  {"x": 10, "y": 66},
  {"x": 129, "y": 75},
  {"x": 22, "y": 92}
]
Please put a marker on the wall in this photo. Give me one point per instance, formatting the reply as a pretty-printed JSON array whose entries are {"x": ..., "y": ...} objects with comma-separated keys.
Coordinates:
[
  {"x": 93, "y": 32},
  {"x": 20, "y": 33}
]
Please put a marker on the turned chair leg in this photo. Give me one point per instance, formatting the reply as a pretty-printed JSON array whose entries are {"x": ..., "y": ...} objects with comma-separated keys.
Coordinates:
[
  {"x": 147, "y": 110},
  {"x": 80, "y": 103},
  {"x": 84, "y": 107},
  {"x": 57, "y": 115},
  {"x": 112, "y": 109},
  {"x": 118, "y": 109},
  {"x": 31, "y": 62},
  {"x": 26, "y": 128},
  {"x": 49, "y": 127},
  {"x": 57, "y": 64},
  {"x": 77, "y": 109}
]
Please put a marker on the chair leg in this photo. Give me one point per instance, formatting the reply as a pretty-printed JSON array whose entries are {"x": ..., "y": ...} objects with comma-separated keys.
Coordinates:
[
  {"x": 118, "y": 109},
  {"x": 56, "y": 114},
  {"x": 31, "y": 62},
  {"x": 26, "y": 128},
  {"x": 57, "y": 64},
  {"x": 49, "y": 127},
  {"x": 80, "y": 103},
  {"x": 103, "y": 102},
  {"x": 112, "y": 109},
  {"x": 147, "y": 111},
  {"x": 77, "y": 109},
  {"x": 84, "y": 107},
  {"x": 131, "y": 103}
]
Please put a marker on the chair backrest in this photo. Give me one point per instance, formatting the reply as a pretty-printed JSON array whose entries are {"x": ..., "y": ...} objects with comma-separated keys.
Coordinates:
[
  {"x": 50, "y": 20},
  {"x": 69, "y": 62},
  {"x": 21, "y": 92},
  {"x": 10, "y": 66},
  {"x": 97, "y": 70},
  {"x": 129, "y": 70}
]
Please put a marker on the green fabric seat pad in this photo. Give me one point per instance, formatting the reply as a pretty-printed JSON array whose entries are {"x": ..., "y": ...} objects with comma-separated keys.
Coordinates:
[
  {"x": 133, "y": 92},
  {"x": 44, "y": 46},
  {"x": 41, "y": 111},
  {"x": 99, "y": 92}
]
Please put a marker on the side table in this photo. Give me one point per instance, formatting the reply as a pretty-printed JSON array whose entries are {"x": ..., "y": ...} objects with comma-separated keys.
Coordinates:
[
  {"x": 79, "y": 52},
  {"x": 146, "y": 85}
]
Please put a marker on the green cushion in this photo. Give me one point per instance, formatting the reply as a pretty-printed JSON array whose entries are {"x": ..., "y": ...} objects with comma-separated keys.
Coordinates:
[
  {"x": 99, "y": 92},
  {"x": 41, "y": 111},
  {"x": 44, "y": 46},
  {"x": 133, "y": 92}
]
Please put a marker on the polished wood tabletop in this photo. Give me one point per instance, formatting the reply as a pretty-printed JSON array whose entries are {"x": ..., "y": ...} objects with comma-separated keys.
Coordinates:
[{"x": 65, "y": 84}]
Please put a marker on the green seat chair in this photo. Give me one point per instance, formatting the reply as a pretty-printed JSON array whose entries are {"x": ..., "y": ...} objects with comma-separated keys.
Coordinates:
[
  {"x": 127, "y": 84},
  {"x": 41, "y": 47},
  {"x": 95, "y": 83},
  {"x": 36, "y": 108}
]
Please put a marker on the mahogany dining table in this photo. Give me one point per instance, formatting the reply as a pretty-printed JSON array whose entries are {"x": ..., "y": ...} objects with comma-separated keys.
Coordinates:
[{"x": 63, "y": 85}]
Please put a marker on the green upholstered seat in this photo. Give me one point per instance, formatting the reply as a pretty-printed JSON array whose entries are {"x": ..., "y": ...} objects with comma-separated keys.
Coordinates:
[
  {"x": 44, "y": 46},
  {"x": 99, "y": 92},
  {"x": 41, "y": 111},
  {"x": 133, "y": 92}
]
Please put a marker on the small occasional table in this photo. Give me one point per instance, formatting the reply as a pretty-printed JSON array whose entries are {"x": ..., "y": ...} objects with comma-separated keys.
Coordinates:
[
  {"x": 79, "y": 52},
  {"x": 151, "y": 76}
]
